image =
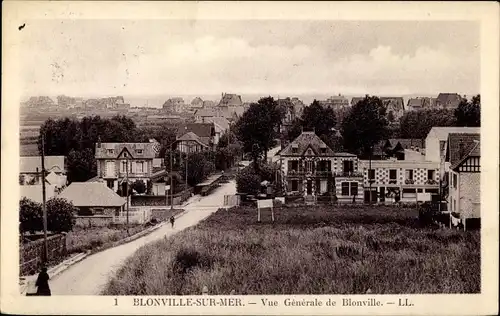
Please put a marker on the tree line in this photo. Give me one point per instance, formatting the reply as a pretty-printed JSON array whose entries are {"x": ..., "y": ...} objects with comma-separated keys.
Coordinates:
[{"x": 354, "y": 130}]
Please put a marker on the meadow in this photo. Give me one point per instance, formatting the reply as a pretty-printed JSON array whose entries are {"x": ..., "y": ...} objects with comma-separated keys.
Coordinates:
[{"x": 307, "y": 250}]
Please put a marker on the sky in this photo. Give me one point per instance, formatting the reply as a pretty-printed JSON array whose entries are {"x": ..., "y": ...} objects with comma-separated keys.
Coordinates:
[{"x": 190, "y": 57}]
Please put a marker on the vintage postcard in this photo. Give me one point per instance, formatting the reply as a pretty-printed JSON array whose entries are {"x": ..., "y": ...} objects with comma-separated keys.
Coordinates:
[{"x": 250, "y": 158}]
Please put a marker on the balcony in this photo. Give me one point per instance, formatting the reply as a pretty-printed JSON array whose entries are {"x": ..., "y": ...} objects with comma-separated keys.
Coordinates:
[
  {"x": 314, "y": 173},
  {"x": 409, "y": 181},
  {"x": 349, "y": 174},
  {"x": 431, "y": 182}
]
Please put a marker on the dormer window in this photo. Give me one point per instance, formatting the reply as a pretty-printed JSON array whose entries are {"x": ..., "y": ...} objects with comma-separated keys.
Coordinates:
[
  {"x": 110, "y": 151},
  {"x": 125, "y": 154},
  {"x": 139, "y": 151},
  {"x": 295, "y": 148}
]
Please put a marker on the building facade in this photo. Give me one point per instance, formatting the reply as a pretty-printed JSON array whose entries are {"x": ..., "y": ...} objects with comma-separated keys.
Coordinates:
[
  {"x": 310, "y": 169},
  {"x": 113, "y": 159},
  {"x": 463, "y": 153}
]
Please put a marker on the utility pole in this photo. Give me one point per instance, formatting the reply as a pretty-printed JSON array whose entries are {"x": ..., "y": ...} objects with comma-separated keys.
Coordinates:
[
  {"x": 369, "y": 178},
  {"x": 128, "y": 190},
  {"x": 171, "y": 178},
  {"x": 44, "y": 207}
]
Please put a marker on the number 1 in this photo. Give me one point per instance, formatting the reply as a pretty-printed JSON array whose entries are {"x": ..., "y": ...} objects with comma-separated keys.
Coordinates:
[{"x": 116, "y": 302}]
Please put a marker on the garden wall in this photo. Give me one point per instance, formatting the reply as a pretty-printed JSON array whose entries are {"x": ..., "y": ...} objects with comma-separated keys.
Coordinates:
[
  {"x": 30, "y": 258},
  {"x": 93, "y": 221},
  {"x": 160, "y": 200}
]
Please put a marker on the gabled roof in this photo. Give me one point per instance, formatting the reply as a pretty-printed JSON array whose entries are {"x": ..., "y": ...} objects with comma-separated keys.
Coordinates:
[
  {"x": 395, "y": 102},
  {"x": 462, "y": 146},
  {"x": 34, "y": 192},
  {"x": 441, "y": 133},
  {"x": 200, "y": 129},
  {"x": 91, "y": 194},
  {"x": 355, "y": 100},
  {"x": 221, "y": 121},
  {"x": 102, "y": 152},
  {"x": 415, "y": 103},
  {"x": 407, "y": 143},
  {"x": 197, "y": 102},
  {"x": 190, "y": 136},
  {"x": 205, "y": 112},
  {"x": 30, "y": 164},
  {"x": 303, "y": 142},
  {"x": 449, "y": 99},
  {"x": 229, "y": 99}
]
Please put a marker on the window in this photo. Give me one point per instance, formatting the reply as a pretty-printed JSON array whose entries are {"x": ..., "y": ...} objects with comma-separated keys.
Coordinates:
[
  {"x": 110, "y": 183},
  {"x": 393, "y": 174},
  {"x": 354, "y": 188},
  {"x": 349, "y": 188},
  {"x": 139, "y": 167},
  {"x": 309, "y": 166},
  {"x": 420, "y": 190},
  {"x": 124, "y": 166},
  {"x": 139, "y": 151},
  {"x": 295, "y": 185},
  {"x": 371, "y": 174},
  {"x": 430, "y": 174},
  {"x": 409, "y": 174},
  {"x": 345, "y": 188},
  {"x": 409, "y": 193},
  {"x": 348, "y": 166},
  {"x": 125, "y": 155},
  {"x": 295, "y": 165},
  {"x": 323, "y": 150},
  {"x": 295, "y": 149},
  {"x": 110, "y": 151},
  {"x": 455, "y": 180},
  {"x": 98, "y": 211}
]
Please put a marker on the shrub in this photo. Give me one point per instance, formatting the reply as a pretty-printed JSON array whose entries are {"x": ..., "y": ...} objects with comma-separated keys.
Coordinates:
[
  {"x": 60, "y": 215},
  {"x": 30, "y": 216},
  {"x": 139, "y": 186},
  {"x": 248, "y": 182}
]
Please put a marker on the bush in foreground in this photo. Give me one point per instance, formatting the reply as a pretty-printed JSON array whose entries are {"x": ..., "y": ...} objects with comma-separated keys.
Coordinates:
[{"x": 306, "y": 251}]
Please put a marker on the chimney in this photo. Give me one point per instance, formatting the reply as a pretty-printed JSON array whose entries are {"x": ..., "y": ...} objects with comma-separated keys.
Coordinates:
[{"x": 99, "y": 141}]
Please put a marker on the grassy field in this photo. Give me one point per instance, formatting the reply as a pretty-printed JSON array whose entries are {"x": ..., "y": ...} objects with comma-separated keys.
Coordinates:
[
  {"x": 80, "y": 239},
  {"x": 307, "y": 250}
]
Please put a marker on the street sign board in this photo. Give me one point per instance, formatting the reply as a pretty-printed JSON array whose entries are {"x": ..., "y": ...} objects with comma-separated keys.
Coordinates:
[
  {"x": 424, "y": 197},
  {"x": 265, "y": 203}
]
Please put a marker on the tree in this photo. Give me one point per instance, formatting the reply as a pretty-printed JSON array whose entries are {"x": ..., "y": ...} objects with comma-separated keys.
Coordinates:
[
  {"x": 364, "y": 126},
  {"x": 81, "y": 165},
  {"x": 258, "y": 125},
  {"x": 21, "y": 179},
  {"x": 417, "y": 124},
  {"x": 247, "y": 181},
  {"x": 30, "y": 216},
  {"x": 60, "y": 215},
  {"x": 294, "y": 130},
  {"x": 319, "y": 118},
  {"x": 139, "y": 186},
  {"x": 468, "y": 113},
  {"x": 200, "y": 165}
]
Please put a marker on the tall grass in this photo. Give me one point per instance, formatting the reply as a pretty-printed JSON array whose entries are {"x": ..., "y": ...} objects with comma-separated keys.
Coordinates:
[{"x": 307, "y": 250}]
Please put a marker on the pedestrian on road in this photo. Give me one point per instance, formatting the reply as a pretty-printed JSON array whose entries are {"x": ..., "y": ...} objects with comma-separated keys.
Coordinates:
[
  {"x": 172, "y": 220},
  {"x": 42, "y": 283}
]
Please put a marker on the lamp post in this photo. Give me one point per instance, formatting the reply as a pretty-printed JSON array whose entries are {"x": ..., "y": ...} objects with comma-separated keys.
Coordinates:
[
  {"x": 127, "y": 194},
  {"x": 44, "y": 207}
]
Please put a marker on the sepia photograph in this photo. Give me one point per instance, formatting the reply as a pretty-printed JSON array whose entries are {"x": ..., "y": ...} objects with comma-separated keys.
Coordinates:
[{"x": 193, "y": 162}]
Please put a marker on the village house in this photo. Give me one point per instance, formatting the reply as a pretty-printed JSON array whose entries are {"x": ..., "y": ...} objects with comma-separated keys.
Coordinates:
[
  {"x": 114, "y": 158},
  {"x": 435, "y": 142},
  {"x": 195, "y": 137},
  {"x": 463, "y": 153},
  {"x": 230, "y": 106},
  {"x": 420, "y": 103},
  {"x": 335, "y": 102},
  {"x": 286, "y": 107},
  {"x": 196, "y": 104},
  {"x": 448, "y": 100},
  {"x": 93, "y": 198},
  {"x": 174, "y": 105},
  {"x": 310, "y": 168},
  {"x": 399, "y": 148},
  {"x": 394, "y": 106},
  {"x": 298, "y": 105},
  {"x": 30, "y": 170},
  {"x": 34, "y": 192},
  {"x": 395, "y": 180}
]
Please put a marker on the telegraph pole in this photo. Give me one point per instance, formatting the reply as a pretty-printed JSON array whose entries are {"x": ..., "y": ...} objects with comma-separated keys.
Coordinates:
[
  {"x": 369, "y": 178},
  {"x": 44, "y": 207},
  {"x": 128, "y": 190},
  {"x": 171, "y": 178}
]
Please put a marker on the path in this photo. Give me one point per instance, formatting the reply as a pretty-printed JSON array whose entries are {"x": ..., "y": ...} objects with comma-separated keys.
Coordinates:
[{"x": 89, "y": 276}]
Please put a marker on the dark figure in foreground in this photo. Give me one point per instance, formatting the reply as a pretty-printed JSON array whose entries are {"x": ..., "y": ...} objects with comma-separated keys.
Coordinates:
[
  {"x": 172, "y": 220},
  {"x": 42, "y": 283}
]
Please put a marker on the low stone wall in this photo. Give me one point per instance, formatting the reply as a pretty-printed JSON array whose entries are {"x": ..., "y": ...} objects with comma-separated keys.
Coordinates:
[
  {"x": 30, "y": 258},
  {"x": 160, "y": 200},
  {"x": 93, "y": 221}
]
